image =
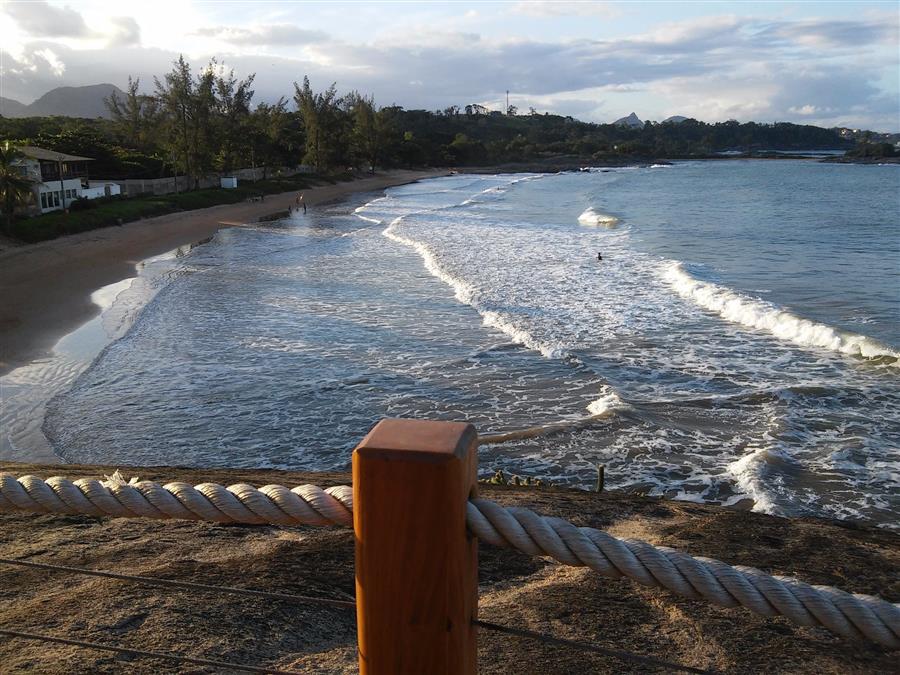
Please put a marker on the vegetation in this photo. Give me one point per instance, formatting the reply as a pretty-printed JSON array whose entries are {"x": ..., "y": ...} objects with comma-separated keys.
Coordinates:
[
  {"x": 195, "y": 123},
  {"x": 91, "y": 214},
  {"x": 15, "y": 188},
  {"x": 198, "y": 122},
  {"x": 873, "y": 150}
]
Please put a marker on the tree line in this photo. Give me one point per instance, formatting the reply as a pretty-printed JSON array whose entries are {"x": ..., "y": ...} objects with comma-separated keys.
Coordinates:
[{"x": 195, "y": 122}]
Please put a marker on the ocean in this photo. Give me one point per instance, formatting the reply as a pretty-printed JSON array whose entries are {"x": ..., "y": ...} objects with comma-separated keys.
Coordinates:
[{"x": 737, "y": 344}]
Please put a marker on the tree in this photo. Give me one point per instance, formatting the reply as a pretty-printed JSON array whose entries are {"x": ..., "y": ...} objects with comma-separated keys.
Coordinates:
[
  {"x": 372, "y": 129},
  {"x": 187, "y": 112},
  {"x": 320, "y": 121},
  {"x": 133, "y": 115},
  {"x": 15, "y": 185},
  {"x": 271, "y": 140},
  {"x": 175, "y": 93},
  {"x": 232, "y": 101}
]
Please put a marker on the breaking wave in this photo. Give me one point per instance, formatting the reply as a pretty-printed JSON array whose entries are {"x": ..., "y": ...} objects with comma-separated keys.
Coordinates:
[
  {"x": 592, "y": 217},
  {"x": 467, "y": 294},
  {"x": 756, "y": 313}
]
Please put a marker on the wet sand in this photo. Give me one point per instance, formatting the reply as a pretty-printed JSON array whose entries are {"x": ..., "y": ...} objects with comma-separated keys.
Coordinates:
[
  {"x": 515, "y": 589},
  {"x": 46, "y": 287}
]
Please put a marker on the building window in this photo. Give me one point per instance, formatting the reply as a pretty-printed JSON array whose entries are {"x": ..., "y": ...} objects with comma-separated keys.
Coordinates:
[
  {"x": 56, "y": 198},
  {"x": 43, "y": 200}
]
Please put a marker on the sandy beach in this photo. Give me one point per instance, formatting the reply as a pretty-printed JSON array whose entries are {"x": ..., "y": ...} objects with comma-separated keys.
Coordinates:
[{"x": 46, "y": 287}]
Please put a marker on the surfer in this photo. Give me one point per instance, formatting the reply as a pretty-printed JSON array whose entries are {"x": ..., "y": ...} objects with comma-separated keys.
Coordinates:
[{"x": 599, "y": 257}]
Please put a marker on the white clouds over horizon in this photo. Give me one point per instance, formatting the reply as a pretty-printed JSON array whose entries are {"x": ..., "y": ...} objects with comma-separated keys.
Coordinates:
[{"x": 586, "y": 61}]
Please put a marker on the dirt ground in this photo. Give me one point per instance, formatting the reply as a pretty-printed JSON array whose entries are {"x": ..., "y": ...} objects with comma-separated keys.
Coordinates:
[{"x": 515, "y": 589}]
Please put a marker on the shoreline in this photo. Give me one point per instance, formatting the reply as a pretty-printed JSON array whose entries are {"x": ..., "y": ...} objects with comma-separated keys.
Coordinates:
[{"x": 46, "y": 287}]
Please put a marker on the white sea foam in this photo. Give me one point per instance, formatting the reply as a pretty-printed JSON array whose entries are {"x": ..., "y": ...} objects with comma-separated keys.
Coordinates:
[
  {"x": 749, "y": 475},
  {"x": 607, "y": 402},
  {"x": 756, "y": 313},
  {"x": 467, "y": 294},
  {"x": 360, "y": 211},
  {"x": 592, "y": 217}
]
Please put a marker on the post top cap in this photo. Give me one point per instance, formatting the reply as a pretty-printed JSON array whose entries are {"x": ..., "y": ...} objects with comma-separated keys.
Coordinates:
[{"x": 430, "y": 440}]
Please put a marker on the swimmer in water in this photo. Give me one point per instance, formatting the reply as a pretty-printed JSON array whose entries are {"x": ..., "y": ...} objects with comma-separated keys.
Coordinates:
[{"x": 599, "y": 257}]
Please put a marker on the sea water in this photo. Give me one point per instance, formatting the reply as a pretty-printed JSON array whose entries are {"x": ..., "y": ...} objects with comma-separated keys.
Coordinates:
[{"x": 738, "y": 342}]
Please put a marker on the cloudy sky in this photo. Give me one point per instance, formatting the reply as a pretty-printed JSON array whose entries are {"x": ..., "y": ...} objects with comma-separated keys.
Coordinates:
[{"x": 827, "y": 63}]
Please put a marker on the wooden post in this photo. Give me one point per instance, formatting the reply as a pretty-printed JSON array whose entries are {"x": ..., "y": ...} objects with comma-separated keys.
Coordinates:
[{"x": 416, "y": 563}]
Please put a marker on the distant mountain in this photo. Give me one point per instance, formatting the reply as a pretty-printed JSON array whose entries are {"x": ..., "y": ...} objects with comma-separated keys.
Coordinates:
[
  {"x": 12, "y": 108},
  {"x": 675, "y": 119},
  {"x": 632, "y": 121},
  {"x": 65, "y": 101}
]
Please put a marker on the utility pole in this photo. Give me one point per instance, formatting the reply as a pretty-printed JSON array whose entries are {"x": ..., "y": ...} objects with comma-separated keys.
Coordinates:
[
  {"x": 507, "y": 101},
  {"x": 62, "y": 186}
]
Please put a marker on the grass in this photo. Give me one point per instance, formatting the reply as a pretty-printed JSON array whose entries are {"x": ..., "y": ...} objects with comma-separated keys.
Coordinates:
[{"x": 119, "y": 210}]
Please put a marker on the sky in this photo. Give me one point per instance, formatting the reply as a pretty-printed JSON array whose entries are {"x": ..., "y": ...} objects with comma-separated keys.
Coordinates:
[{"x": 823, "y": 63}]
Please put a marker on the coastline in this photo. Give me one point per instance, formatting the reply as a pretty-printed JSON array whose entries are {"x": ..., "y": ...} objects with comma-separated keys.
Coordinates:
[{"x": 46, "y": 287}]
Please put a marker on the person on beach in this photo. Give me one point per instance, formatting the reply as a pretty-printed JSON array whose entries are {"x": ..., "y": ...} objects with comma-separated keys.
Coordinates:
[{"x": 300, "y": 203}]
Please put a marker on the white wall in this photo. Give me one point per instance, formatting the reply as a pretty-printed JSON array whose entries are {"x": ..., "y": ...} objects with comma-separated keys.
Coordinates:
[
  {"x": 53, "y": 197},
  {"x": 95, "y": 190}
]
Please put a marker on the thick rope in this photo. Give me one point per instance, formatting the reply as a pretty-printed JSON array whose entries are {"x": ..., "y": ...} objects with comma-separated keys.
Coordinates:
[
  {"x": 240, "y": 503},
  {"x": 852, "y": 616}
]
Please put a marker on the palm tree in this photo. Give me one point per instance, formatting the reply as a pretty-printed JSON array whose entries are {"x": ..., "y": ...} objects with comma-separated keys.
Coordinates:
[{"x": 15, "y": 187}]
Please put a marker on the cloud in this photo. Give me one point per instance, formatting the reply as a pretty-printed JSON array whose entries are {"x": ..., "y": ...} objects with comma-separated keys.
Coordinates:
[
  {"x": 825, "y": 34},
  {"x": 271, "y": 34},
  {"x": 126, "y": 32},
  {"x": 49, "y": 57},
  {"x": 713, "y": 68},
  {"x": 556, "y": 8},
  {"x": 805, "y": 110},
  {"x": 40, "y": 19}
]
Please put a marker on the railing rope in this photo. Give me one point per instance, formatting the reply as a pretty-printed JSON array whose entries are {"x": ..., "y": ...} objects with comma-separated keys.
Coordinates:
[
  {"x": 240, "y": 503},
  {"x": 849, "y": 615}
]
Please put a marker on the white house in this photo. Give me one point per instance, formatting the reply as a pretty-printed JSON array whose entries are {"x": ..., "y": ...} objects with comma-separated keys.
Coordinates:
[{"x": 60, "y": 179}]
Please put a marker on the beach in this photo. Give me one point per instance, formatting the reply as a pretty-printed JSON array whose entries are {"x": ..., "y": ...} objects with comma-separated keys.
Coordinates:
[{"x": 46, "y": 287}]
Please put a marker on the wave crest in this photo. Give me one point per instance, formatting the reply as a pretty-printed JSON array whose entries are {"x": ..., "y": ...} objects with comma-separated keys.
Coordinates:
[
  {"x": 594, "y": 218},
  {"x": 755, "y": 313}
]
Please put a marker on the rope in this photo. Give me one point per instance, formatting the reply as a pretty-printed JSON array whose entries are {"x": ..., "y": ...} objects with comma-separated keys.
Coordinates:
[
  {"x": 140, "y": 652},
  {"x": 853, "y": 616},
  {"x": 189, "y": 585},
  {"x": 240, "y": 503},
  {"x": 625, "y": 656}
]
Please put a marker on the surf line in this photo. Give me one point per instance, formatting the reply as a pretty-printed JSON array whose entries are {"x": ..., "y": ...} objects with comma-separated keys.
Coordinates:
[
  {"x": 602, "y": 409},
  {"x": 542, "y": 430}
]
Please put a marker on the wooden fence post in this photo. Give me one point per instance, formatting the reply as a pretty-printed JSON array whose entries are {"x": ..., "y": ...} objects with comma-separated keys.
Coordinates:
[{"x": 416, "y": 563}]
